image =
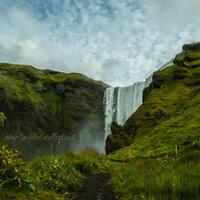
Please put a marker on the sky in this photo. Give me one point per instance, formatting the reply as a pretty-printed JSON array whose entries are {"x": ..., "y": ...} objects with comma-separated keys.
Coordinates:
[{"x": 117, "y": 41}]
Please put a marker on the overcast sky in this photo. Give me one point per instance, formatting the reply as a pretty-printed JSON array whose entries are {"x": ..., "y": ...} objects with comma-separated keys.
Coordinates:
[{"x": 116, "y": 41}]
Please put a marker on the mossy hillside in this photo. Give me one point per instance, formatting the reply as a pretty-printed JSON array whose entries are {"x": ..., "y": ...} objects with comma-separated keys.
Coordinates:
[
  {"x": 43, "y": 101},
  {"x": 168, "y": 120}
]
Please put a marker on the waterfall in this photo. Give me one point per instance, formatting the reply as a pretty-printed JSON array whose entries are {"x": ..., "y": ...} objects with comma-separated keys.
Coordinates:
[
  {"x": 109, "y": 102},
  {"x": 128, "y": 100},
  {"x": 121, "y": 102}
]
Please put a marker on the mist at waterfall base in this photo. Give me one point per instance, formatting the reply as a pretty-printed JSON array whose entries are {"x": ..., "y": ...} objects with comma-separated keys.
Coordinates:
[{"x": 91, "y": 136}]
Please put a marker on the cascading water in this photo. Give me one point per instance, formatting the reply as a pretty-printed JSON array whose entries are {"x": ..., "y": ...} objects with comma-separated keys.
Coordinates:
[
  {"x": 128, "y": 100},
  {"x": 109, "y": 102},
  {"x": 121, "y": 102}
]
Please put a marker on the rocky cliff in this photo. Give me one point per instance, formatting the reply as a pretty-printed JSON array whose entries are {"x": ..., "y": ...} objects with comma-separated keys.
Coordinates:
[{"x": 44, "y": 102}]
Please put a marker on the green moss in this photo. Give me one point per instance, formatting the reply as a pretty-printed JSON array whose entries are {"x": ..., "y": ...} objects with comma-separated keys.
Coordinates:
[
  {"x": 32, "y": 99},
  {"x": 192, "y": 63},
  {"x": 192, "y": 55}
]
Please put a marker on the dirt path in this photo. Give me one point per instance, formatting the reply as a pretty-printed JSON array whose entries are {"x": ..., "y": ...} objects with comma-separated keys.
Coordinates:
[{"x": 96, "y": 187}]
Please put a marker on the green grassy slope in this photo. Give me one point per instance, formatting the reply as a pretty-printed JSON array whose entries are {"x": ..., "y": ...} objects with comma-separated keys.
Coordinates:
[
  {"x": 168, "y": 120},
  {"x": 43, "y": 102}
]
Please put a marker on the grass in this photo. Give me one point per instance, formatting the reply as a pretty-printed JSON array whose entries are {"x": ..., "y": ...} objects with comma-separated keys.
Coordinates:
[
  {"x": 161, "y": 179},
  {"x": 164, "y": 177},
  {"x": 51, "y": 177},
  {"x": 24, "y": 195}
]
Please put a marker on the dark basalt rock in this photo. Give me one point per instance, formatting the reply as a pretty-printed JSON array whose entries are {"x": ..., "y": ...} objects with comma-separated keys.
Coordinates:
[
  {"x": 189, "y": 57},
  {"x": 146, "y": 92},
  {"x": 110, "y": 145},
  {"x": 117, "y": 139},
  {"x": 115, "y": 128},
  {"x": 192, "y": 47},
  {"x": 179, "y": 59},
  {"x": 158, "y": 80}
]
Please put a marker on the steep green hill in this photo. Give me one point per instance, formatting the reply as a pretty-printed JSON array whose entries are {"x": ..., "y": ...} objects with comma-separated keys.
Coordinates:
[
  {"x": 168, "y": 122},
  {"x": 44, "y": 102},
  {"x": 158, "y": 148}
]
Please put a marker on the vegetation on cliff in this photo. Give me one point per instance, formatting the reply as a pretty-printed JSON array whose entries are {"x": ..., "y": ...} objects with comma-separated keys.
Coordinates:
[
  {"x": 168, "y": 121},
  {"x": 32, "y": 99},
  {"x": 38, "y": 103}
]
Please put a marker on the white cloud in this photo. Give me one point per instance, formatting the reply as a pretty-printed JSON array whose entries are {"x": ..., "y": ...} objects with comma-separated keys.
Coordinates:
[
  {"x": 10, "y": 54},
  {"x": 173, "y": 14},
  {"x": 119, "y": 42}
]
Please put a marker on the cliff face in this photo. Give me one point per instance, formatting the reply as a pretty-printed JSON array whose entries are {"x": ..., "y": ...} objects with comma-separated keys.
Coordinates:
[
  {"x": 168, "y": 120},
  {"x": 43, "y": 102}
]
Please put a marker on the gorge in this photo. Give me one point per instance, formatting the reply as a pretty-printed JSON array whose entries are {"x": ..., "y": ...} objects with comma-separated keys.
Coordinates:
[{"x": 84, "y": 109}]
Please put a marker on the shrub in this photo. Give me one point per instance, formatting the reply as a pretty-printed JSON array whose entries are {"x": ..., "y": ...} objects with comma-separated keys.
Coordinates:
[
  {"x": 2, "y": 119},
  {"x": 12, "y": 169},
  {"x": 55, "y": 174}
]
